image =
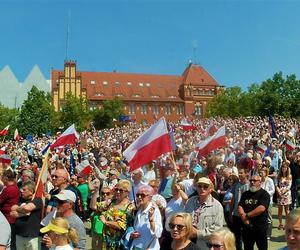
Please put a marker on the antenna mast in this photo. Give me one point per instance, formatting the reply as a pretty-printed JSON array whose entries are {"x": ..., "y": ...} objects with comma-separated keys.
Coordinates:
[{"x": 68, "y": 31}]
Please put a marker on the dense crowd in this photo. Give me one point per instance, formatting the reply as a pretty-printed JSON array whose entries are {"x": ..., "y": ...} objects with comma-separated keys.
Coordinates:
[{"x": 181, "y": 200}]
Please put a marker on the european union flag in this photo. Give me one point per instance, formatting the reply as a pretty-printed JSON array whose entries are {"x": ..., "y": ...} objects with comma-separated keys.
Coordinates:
[
  {"x": 29, "y": 138},
  {"x": 273, "y": 127},
  {"x": 72, "y": 165}
]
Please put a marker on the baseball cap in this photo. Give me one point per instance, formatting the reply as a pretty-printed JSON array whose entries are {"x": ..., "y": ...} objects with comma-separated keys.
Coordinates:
[
  {"x": 65, "y": 195},
  {"x": 204, "y": 180}
]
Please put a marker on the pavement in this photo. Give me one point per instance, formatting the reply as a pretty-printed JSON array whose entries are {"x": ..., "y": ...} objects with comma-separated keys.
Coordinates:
[{"x": 277, "y": 240}]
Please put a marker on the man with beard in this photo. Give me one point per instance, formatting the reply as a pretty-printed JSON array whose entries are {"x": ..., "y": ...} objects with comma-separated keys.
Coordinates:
[{"x": 253, "y": 210}]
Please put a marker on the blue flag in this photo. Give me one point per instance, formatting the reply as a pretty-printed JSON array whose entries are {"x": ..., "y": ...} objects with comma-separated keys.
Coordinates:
[
  {"x": 273, "y": 127},
  {"x": 45, "y": 149},
  {"x": 29, "y": 138},
  {"x": 72, "y": 165}
]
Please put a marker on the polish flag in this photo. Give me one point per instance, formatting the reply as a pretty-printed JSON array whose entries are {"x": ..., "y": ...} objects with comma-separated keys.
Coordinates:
[
  {"x": 17, "y": 136},
  {"x": 2, "y": 151},
  {"x": 261, "y": 148},
  {"x": 70, "y": 136},
  {"x": 84, "y": 168},
  {"x": 154, "y": 142},
  {"x": 5, "y": 159},
  {"x": 4, "y": 131},
  {"x": 42, "y": 179},
  {"x": 211, "y": 143},
  {"x": 186, "y": 125},
  {"x": 290, "y": 145},
  {"x": 211, "y": 130}
]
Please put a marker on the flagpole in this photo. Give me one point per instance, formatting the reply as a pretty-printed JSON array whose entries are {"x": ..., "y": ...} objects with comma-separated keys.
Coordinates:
[{"x": 45, "y": 163}]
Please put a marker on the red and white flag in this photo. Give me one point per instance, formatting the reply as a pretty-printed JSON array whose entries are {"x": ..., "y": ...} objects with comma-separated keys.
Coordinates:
[
  {"x": 17, "y": 136},
  {"x": 154, "y": 142},
  {"x": 4, "y": 131},
  {"x": 84, "y": 168},
  {"x": 211, "y": 129},
  {"x": 261, "y": 148},
  {"x": 70, "y": 136},
  {"x": 2, "y": 151},
  {"x": 42, "y": 179},
  {"x": 186, "y": 125},
  {"x": 290, "y": 145},
  {"x": 211, "y": 143},
  {"x": 5, "y": 159}
]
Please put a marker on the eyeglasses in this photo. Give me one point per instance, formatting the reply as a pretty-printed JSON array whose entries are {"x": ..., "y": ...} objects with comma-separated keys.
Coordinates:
[
  {"x": 214, "y": 246},
  {"x": 105, "y": 193},
  {"x": 205, "y": 187},
  {"x": 141, "y": 195},
  {"x": 253, "y": 180},
  {"x": 177, "y": 226},
  {"x": 120, "y": 190}
]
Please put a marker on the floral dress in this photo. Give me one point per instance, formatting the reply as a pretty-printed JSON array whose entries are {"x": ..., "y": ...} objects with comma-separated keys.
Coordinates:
[
  {"x": 112, "y": 236},
  {"x": 284, "y": 186}
]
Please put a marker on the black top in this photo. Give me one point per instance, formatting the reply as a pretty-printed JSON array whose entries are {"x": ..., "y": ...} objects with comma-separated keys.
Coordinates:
[
  {"x": 251, "y": 200},
  {"x": 190, "y": 246},
  {"x": 29, "y": 226}
]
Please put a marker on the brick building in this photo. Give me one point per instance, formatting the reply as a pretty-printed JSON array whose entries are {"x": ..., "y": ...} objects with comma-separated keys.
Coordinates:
[{"x": 145, "y": 96}]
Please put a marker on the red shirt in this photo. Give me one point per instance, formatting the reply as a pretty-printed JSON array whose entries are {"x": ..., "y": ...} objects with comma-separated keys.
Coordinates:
[{"x": 9, "y": 197}]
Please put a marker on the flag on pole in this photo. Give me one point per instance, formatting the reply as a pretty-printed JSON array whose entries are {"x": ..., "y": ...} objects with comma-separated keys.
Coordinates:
[
  {"x": 42, "y": 179},
  {"x": 29, "y": 138},
  {"x": 261, "y": 148},
  {"x": 84, "y": 168},
  {"x": 186, "y": 125},
  {"x": 72, "y": 165},
  {"x": 272, "y": 127},
  {"x": 4, "y": 131},
  {"x": 45, "y": 149},
  {"x": 211, "y": 143},
  {"x": 17, "y": 136},
  {"x": 154, "y": 142},
  {"x": 70, "y": 136},
  {"x": 290, "y": 145}
]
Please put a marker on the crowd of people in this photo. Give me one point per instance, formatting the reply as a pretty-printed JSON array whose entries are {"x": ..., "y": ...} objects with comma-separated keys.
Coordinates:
[{"x": 181, "y": 200}]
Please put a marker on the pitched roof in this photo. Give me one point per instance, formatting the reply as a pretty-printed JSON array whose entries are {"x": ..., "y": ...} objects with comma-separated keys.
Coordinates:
[{"x": 196, "y": 75}]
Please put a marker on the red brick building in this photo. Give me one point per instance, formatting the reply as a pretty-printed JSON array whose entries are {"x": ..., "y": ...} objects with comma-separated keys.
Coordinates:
[{"x": 145, "y": 96}]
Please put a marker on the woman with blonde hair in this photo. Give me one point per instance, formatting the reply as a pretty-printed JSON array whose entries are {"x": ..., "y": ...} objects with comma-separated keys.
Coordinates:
[
  {"x": 221, "y": 239},
  {"x": 181, "y": 229},
  {"x": 61, "y": 235}
]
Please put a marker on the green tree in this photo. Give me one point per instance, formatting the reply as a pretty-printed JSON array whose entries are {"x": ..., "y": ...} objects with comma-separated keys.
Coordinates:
[
  {"x": 111, "y": 110},
  {"x": 75, "y": 110},
  {"x": 37, "y": 115}
]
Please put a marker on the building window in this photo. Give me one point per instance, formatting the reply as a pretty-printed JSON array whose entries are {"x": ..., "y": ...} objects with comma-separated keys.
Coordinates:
[
  {"x": 119, "y": 95},
  {"x": 93, "y": 82},
  {"x": 148, "y": 84},
  {"x": 131, "y": 109},
  {"x": 156, "y": 109},
  {"x": 154, "y": 96},
  {"x": 105, "y": 82},
  {"x": 136, "y": 95},
  {"x": 198, "y": 110},
  {"x": 172, "y": 96},
  {"x": 99, "y": 94},
  {"x": 117, "y": 83},
  {"x": 141, "y": 84},
  {"x": 168, "y": 109},
  {"x": 144, "y": 109},
  {"x": 179, "y": 109},
  {"x": 129, "y": 83}
]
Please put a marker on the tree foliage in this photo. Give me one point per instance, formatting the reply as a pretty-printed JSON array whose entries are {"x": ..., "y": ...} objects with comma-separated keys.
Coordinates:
[
  {"x": 112, "y": 109},
  {"x": 277, "y": 95},
  {"x": 37, "y": 115},
  {"x": 75, "y": 110}
]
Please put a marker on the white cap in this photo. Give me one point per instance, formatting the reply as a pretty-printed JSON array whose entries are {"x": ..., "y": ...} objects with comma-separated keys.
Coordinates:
[{"x": 65, "y": 195}]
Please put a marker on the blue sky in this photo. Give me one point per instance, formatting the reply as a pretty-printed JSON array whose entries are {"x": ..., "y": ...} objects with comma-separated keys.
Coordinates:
[{"x": 238, "y": 42}]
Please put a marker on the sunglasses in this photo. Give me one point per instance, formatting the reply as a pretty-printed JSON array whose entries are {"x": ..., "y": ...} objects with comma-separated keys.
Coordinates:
[
  {"x": 105, "y": 193},
  {"x": 215, "y": 246},
  {"x": 177, "y": 226},
  {"x": 205, "y": 187},
  {"x": 120, "y": 190},
  {"x": 141, "y": 195},
  {"x": 254, "y": 180}
]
